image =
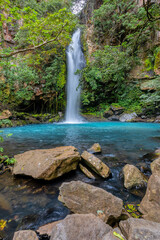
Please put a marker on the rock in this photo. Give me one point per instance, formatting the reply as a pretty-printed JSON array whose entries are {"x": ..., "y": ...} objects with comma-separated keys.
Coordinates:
[
  {"x": 25, "y": 235},
  {"x": 112, "y": 235},
  {"x": 82, "y": 198},
  {"x": 47, "y": 228},
  {"x": 4, "y": 203},
  {"x": 108, "y": 114},
  {"x": 96, "y": 148},
  {"x": 117, "y": 110},
  {"x": 128, "y": 117},
  {"x": 113, "y": 118},
  {"x": 80, "y": 227},
  {"x": 150, "y": 204},
  {"x": 5, "y": 114},
  {"x": 133, "y": 177},
  {"x": 47, "y": 163},
  {"x": 140, "y": 229},
  {"x": 86, "y": 171},
  {"x": 155, "y": 166},
  {"x": 96, "y": 164}
]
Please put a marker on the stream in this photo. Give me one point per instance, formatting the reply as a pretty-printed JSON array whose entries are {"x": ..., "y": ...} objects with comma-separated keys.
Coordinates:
[{"x": 27, "y": 203}]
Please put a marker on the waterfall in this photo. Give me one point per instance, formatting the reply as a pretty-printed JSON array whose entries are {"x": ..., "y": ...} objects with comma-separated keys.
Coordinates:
[{"x": 75, "y": 61}]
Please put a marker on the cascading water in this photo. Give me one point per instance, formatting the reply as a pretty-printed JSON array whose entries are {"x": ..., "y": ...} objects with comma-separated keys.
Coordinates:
[{"x": 75, "y": 61}]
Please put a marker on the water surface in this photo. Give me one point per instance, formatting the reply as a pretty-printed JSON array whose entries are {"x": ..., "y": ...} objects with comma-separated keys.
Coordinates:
[{"x": 30, "y": 203}]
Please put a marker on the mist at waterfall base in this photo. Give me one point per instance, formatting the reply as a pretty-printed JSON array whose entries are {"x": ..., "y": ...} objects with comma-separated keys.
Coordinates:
[
  {"x": 75, "y": 61},
  {"x": 35, "y": 202}
]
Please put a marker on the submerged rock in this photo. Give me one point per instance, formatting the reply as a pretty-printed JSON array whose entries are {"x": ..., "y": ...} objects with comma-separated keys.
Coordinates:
[
  {"x": 96, "y": 164},
  {"x": 80, "y": 227},
  {"x": 25, "y": 235},
  {"x": 86, "y": 171},
  {"x": 96, "y": 148},
  {"x": 150, "y": 204},
  {"x": 47, "y": 163},
  {"x": 133, "y": 177},
  {"x": 140, "y": 229},
  {"x": 82, "y": 198}
]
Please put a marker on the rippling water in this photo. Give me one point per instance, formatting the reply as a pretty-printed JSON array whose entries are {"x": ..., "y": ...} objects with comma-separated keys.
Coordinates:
[{"x": 30, "y": 203}]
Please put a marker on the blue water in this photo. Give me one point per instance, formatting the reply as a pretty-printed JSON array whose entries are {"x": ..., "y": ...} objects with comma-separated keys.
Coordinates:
[
  {"x": 128, "y": 139},
  {"x": 34, "y": 203}
]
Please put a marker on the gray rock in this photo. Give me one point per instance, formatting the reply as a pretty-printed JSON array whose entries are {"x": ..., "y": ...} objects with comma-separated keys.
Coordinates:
[
  {"x": 108, "y": 114},
  {"x": 83, "y": 198},
  {"x": 47, "y": 163},
  {"x": 150, "y": 204},
  {"x": 128, "y": 117},
  {"x": 112, "y": 235},
  {"x": 25, "y": 235},
  {"x": 140, "y": 229},
  {"x": 155, "y": 166},
  {"x": 133, "y": 177},
  {"x": 96, "y": 164},
  {"x": 80, "y": 227}
]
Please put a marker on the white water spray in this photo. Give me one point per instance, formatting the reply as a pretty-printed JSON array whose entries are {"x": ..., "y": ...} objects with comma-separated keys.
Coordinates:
[{"x": 75, "y": 61}]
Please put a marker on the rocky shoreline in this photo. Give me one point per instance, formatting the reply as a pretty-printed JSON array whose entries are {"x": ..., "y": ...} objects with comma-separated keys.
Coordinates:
[
  {"x": 96, "y": 213},
  {"x": 13, "y": 119}
]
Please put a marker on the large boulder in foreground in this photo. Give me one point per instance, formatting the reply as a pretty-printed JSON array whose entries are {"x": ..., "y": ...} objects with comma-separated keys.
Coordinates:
[
  {"x": 155, "y": 166},
  {"x": 25, "y": 235},
  {"x": 80, "y": 227},
  {"x": 47, "y": 163},
  {"x": 96, "y": 164},
  {"x": 150, "y": 204},
  {"x": 140, "y": 229},
  {"x": 133, "y": 177},
  {"x": 83, "y": 198}
]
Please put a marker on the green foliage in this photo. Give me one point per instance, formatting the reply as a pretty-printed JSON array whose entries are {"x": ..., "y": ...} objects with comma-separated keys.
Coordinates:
[
  {"x": 104, "y": 78},
  {"x": 4, "y": 158}
]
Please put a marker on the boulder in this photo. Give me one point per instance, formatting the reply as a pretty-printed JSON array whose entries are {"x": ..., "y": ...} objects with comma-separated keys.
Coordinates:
[
  {"x": 47, "y": 228},
  {"x": 96, "y": 164},
  {"x": 107, "y": 114},
  {"x": 25, "y": 235},
  {"x": 82, "y": 198},
  {"x": 96, "y": 148},
  {"x": 86, "y": 171},
  {"x": 114, "y": 234},
  {"x": 155, "y": 166},
  {"x": 47, "y": 163},
  {"x": 117, "y": 110},
  {"x": 133, "y": 177},
  {"x": 128, "y": 117},
  {"x": 140, "y": 229},
  {"x": 5, "y": 114},
  {"x": 150, "y": 204},
  {"x": 80, "y": 227}
]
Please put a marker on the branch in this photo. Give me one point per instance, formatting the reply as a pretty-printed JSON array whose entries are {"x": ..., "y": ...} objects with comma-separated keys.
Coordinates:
[
  {"x": 146, "y": 6},
  {"x": 32, "y": 48}
]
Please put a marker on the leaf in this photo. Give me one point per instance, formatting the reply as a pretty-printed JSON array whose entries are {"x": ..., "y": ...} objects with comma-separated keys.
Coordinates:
[
  {"x": 3, "y": 224},
  {"x": 118, "y": 235}
]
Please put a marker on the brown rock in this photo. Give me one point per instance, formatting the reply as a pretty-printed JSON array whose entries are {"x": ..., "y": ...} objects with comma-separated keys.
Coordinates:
[
  {"x": 47, "y": 163},
  {"x": 5, "y": 114},
  {"x": 82, "y": 198},
  {"x": 117, "y": 110},
  {"x": 140, "y": 229},
  {"x": 155, "y": 166},
  {"x": 96, "y": 148},
  {"x": 133, "y": 177},
  {"x": 96, "y": 164},
  {"x": 80, "y": 227},
  {"x": 47, "y": 228},
  {"x": 25, "y": 235},
  {"x": 150, "y": 204},
  {"x": 108, "y": 114},
  {"x": 86, "y": 171}
]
